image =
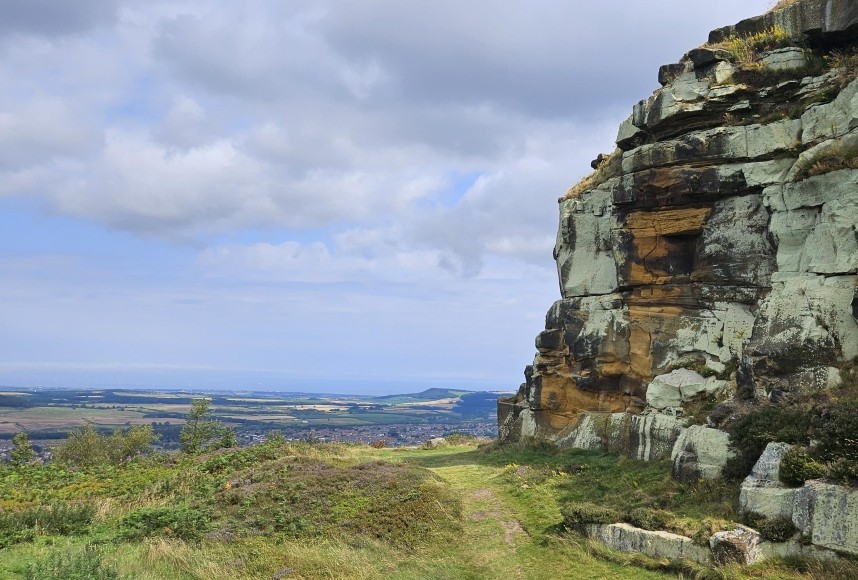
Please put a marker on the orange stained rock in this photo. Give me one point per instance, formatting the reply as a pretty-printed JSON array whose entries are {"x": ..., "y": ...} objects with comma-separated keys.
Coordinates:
[
  {"x": 669, "y": 222},
  {"x": 560, "y": 395},
  {"x": 656, "y": 239}
]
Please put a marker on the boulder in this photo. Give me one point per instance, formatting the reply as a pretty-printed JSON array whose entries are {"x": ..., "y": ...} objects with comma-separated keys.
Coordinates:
[
  {"x": 790, "y": 58},
  {"x": 658, "y": 544},
  {"x": 738, "y": 546},
  {"x": 673, "y": 389},
  {"x": 762, "y": 491},
  {"x": 700, "y": 453}
]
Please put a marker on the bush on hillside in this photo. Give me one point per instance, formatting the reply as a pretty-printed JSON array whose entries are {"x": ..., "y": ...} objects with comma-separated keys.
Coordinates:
[
  {"x": 87, "y": 564},
  {"x": 86, "y": 447},
  {"x": 181, "y": 521},
  {"x": 22, "y": 451},
  {"x": 750, "y": 434},
  {"x": 56, "y": 519},
  {"x": 797, "y": 466},
  {"x": 202, "y": 432}
]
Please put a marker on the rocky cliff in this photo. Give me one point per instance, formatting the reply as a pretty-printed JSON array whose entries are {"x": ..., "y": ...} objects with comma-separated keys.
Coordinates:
[{"x": 713, "y": 256}]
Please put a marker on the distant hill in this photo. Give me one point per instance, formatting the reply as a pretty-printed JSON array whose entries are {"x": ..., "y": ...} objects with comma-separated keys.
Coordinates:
[{"x": 428, "y": 395}]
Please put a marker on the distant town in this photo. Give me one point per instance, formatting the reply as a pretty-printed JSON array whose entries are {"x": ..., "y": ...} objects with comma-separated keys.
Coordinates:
[{"x": 48, "y": 415}]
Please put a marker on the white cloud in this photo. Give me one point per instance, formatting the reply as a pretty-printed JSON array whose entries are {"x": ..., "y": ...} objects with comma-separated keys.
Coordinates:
[
  {"x": 40, "y": 130},
  {"x": 343, "y": 187}
]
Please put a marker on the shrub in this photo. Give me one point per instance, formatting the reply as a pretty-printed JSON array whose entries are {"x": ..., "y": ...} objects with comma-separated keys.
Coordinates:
[
  {"x": 460, "y": 439},
  {"x": 778, "y": 529},
  {"x": 202, "y": 432},
  {"x": 650, "y": 519},
  {"x": 844, "y": 471},
  {"x": 22, "y": 452},
  {"x": 750, "y": 434},
  {"x": 578, "y": 514},
  {"x": 85, "y": 565},
  {"x": 797, "y": 466},
  {"x": 60, "y": 519},
  {"x": 86, "y": 447},
  {"x": 182, "y": 521},
  {"x": 835, "y": 430}
]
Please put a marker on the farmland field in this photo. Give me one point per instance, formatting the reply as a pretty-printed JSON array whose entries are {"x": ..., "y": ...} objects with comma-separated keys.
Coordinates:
[{"x": 397, "y": 419}]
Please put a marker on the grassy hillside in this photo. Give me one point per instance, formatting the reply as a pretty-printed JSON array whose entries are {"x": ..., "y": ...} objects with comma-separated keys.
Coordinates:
[{"x": 298, "y": 510}]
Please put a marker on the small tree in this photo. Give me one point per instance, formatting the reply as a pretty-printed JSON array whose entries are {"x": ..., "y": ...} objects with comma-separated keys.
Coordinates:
[
  {"x": 23, "y": 452},
  {"x": 82, "y": 448},
  {"x": 202, "y": 432},
  {"x": 125, "y": 445},
  {"x": 86, "y": 446}
]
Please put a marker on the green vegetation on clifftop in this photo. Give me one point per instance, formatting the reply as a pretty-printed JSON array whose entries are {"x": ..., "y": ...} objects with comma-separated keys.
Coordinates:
[{"x": 302, "y": 510}]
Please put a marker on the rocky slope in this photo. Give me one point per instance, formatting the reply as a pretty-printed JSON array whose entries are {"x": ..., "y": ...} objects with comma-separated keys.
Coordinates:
[{"x": 713, "y": 257}]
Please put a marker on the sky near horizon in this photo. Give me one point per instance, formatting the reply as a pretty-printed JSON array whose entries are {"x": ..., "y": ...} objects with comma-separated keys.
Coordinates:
[{"x": 305, "y": 195}]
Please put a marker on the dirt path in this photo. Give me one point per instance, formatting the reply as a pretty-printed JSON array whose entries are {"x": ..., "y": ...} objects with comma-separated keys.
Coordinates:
[{"x": 493, "y": 529}]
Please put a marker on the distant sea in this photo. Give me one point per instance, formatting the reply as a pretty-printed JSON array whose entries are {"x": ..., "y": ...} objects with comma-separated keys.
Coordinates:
[{"x": 203, "y": 379}]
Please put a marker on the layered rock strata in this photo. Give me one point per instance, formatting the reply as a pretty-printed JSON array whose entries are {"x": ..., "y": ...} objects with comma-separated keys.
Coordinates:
[{"x": 713, "y": 255}]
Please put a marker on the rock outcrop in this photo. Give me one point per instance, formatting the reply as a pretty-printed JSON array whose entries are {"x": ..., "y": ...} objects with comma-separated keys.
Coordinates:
[
  {"x": 826, "y": 515},
  {"x": 713, "y": 255}
]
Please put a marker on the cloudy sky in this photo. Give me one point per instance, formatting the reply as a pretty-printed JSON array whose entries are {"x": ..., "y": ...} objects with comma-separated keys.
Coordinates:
[{"x": 307, "y": 195}]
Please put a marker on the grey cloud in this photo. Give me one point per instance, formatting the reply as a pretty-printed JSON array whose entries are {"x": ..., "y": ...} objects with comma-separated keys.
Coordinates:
[
  {"x": 51, "y": 18},
  {"x": 315, "y": 114},
  {"x": 254, "y": 51},
  {"x": 544, "y": 57},
  {"x": 42, "y": 130}
]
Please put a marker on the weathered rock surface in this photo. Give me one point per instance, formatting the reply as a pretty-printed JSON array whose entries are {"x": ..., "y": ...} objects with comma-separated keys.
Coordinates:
[
  {"x": 678, "y": 387},
  {"x": 706, "y": 264},
  {"x": 658, "y": 544},
  {"x": 738, "y": 546},
  {"x": 824, "y": 513},
  {"x": 741, "y": 545}
]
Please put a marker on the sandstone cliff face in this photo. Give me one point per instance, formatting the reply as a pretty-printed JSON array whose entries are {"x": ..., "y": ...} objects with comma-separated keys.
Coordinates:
[{"x": 713, "y": 255}]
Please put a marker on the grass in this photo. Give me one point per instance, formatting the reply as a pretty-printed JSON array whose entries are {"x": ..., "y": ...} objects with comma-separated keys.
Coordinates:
[
  {"x": 783, "y": 4},
  {"x": 831, "y": 159},
  {"x": 608, "y": 169},
  {"x": 455, "y": 511},
  {"x": 745, "y": 49}
]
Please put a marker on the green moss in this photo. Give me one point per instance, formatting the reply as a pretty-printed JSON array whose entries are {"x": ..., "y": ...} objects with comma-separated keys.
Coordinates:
[
  {"x": 579, "y": 514},
  {"x": 777, "y": 529},
  {"x": 650, "y": 519}
]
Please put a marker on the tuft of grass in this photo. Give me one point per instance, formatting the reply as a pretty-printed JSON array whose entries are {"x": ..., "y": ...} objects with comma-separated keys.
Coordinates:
[
  {"x": 845, "y": 62},
  {"x": 609, "y": 168},
  {"x": 745, "y": 50},
  {"x": 55, "y": 519},
  {"x": 781, "y": 4},
  {"x": 579, "y": 514},
  {"x": 832, "y": 159},
  {"x": 86, "y": 564}
]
